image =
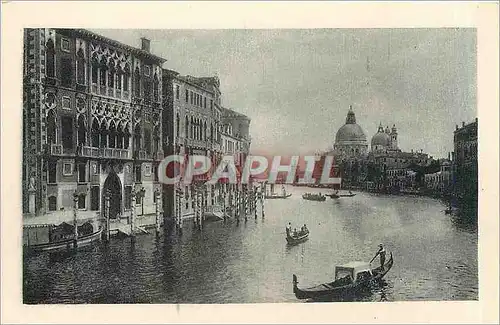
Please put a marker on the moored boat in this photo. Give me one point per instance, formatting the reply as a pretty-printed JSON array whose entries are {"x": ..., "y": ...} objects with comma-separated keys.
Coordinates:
[
  {"x": 40, "y": 238},
  {"x": 277, "y": 196},
  {"x": 337, "y": 195},
  {"x": 349, "y": 278},
  {"x": 314, "y": 197}
]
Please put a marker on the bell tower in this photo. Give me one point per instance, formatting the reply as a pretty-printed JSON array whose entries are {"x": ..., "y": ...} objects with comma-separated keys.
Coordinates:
[{"x": 394, "y": 137}]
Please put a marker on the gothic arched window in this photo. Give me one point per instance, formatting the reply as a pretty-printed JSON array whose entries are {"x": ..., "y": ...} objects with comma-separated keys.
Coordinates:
[
  {"x": 177, "y": 125},
  {"x": 102, "y": 75},
  {"x": 52, "y": 203},
  {"x": 103, "y": 135},
  {"x": 191, "y": 128},
  {"x": 137, "y": 82},
  {"x": 81, "y": 201},
  {"x": 111, "y": 75},
  {"x": 82, "y": 131},
  {"x": 51, "y": 127},
  {"x": 118, "y": 78},
  {"x": 119, "y": 138},
  {"x": 137, "y": 138},
  {"x": 95, "y": 70},
  {"x": 156, "y": 87},
  {"x": 156, "y": 140},
  {"x": 50, "y": 59},
  {"x": 126, "y": 76},
  {"x": 80, "y": 67},
  {"x": 95, "y": 133},
  {"x": 112, "y": 135},
  {"x": 147, "y": 140},
  {"x": 126, "y": 137}
]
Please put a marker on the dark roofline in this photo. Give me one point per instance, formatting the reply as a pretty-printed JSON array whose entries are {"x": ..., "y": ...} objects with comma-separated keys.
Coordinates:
[
  {"x": 232, "y": 113},
  {"x": 186, "y": 79},
  {"x": 466, "y": 126},
  {"x": 135, "y": 50}
]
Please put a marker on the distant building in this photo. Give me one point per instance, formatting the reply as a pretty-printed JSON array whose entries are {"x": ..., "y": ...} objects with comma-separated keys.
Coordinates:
[
  {"x": 465, "y": 172},
  {"x": 350, "y": 140},
  {"x": 440, "y": 182},
  {"x": 384, "y": 141},
  {"x": 235, "y": 135},
  {"x": 380, "y": 169}
]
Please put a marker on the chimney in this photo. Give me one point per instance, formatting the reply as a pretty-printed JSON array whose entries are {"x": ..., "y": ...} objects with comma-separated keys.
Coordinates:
[
  {"x": 449, "y": 155},
  {"x": 456, "y": 126},
  {"x": 145, "y": 44},
  {"x": 476, "y": 119},
  {"x": 463, "y": 124}
]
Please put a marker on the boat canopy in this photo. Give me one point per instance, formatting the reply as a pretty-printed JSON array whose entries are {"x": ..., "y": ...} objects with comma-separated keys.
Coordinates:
[{"x": 351, "y": 268}]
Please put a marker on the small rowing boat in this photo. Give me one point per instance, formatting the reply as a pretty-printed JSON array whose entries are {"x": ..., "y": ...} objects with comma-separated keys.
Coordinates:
[
  {"x": 276, "y": 196},
  {"x": 297, "y": 238}
]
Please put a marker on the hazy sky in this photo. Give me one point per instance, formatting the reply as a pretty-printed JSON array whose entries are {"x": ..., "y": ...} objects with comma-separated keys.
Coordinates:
[{"x": 297, "y": 85}]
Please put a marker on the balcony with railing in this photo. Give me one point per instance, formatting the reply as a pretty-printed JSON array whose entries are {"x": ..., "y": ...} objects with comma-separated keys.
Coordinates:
[
  {"x": 112, "y": 153},
  {"x": 143, "y": 155},
  {"x": 196, "y": 143}
]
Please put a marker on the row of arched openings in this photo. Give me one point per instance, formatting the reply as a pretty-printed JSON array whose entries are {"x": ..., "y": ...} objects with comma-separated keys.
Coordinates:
[
  {"x": 106, "y": 72},
  {"x": 195, "y": 128},
  {"x": 104, "y": 135}
]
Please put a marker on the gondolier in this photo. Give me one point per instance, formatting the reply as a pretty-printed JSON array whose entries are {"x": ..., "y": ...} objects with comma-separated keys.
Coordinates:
[{"x": 381, "y": 253}]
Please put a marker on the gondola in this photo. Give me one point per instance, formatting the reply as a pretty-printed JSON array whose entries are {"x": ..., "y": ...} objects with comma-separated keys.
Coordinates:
[
  {"x": 66, "y": 244},
  {"x": 336, "y": 196},
  {"x": 344, "y": 285},
  {"x": 301, "y": 237},
  {"x": 314, "y": 197}
]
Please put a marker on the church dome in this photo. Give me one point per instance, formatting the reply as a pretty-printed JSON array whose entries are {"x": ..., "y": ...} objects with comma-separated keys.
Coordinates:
[
  {"x": 350, "y": 131},
  {"x": 381, "y": 138}
]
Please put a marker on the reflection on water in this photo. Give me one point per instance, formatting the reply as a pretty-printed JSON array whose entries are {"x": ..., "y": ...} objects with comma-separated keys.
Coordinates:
[{"x": 249, "y": 262}]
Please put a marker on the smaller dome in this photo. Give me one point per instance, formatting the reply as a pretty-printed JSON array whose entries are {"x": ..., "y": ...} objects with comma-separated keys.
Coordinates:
[{"x": 381, "y": 138}]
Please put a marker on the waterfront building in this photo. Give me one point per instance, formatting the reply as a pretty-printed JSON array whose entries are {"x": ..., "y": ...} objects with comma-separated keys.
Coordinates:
[
  {"x": 439, "y": 183},
  {"x": 192, "y": 120},
  {"x": 235, "y": 134},
  {"x": 195, "y": 123},
  {"x": 92, "y": 124},
  {"x": 465, "y": 172}
]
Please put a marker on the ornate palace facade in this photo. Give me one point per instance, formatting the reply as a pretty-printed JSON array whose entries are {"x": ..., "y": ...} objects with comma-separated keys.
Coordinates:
[{"x": 92, "y": 123}]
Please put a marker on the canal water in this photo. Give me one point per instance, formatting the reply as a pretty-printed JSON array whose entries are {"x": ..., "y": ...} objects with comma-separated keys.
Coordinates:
[{"x": 249, "y": 262}]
